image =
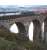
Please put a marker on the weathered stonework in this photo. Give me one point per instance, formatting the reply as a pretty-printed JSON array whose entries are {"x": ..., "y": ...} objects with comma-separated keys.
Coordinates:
[{"x": 23, "y": 23}]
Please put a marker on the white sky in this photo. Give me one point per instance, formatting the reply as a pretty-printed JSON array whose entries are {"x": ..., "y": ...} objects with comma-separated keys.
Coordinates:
[
  {"x": 14, "y": 28},
  {"x": 43, "y": 31},
  {"x": 23, "y": 2},
  {"x": 31, "y": 32}
]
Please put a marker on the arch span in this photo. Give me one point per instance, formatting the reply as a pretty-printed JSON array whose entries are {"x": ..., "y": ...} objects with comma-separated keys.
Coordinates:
[
  {"x": 18, "y": 27},
  {"x": 45, "y": 29}
]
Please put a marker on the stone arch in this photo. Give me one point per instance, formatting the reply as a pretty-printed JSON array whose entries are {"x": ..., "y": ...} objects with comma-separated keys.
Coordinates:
[
  {"x": 20, "y": 26},
  {"x": 45, "y": 29},
  {"x": 37, "y": 30}
]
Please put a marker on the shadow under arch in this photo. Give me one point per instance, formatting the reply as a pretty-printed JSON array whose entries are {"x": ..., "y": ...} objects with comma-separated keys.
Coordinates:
[
  {"x": 21, "y": 27},
  {"x": 45, "y": 25},
  {"x": 37, "y": 30},
  {"x": 22, "y": 31}
]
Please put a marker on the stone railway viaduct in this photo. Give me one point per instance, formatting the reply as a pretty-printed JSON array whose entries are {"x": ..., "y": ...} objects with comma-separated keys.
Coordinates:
[{"x": 23, "y": 22}]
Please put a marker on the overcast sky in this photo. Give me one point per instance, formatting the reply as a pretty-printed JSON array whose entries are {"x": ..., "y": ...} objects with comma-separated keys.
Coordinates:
[{"x": 23, "y": 2}]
